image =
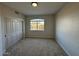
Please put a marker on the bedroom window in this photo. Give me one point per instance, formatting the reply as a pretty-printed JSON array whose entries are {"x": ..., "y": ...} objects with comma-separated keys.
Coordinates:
[{"x": 37, "y": 24}]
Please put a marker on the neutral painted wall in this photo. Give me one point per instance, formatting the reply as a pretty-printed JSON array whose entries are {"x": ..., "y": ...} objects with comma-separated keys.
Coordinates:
[
  {"x": 67, "y": 28},
  {"x": 49, "y": 27},
  {"x": 12, "y": 21}
]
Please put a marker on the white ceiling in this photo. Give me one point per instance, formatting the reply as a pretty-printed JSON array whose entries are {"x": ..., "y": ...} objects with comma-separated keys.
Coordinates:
[{"x": 43, "y": 8}]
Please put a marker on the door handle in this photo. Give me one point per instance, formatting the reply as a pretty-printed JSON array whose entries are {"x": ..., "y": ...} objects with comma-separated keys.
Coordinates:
[{"x": 5, "y": 35}]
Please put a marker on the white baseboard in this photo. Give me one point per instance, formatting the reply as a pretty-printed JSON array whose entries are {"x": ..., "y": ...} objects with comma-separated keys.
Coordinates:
[
  {"x": 4, "y": 51},
  {"x": 62, "y": 46},
  {"x": 41, "y": 37}
]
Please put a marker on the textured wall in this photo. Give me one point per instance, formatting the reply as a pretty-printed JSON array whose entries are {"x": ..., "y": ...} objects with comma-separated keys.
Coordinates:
[
  {"x": 67, "y": 28},
  {"x": 49, "y": 27}
]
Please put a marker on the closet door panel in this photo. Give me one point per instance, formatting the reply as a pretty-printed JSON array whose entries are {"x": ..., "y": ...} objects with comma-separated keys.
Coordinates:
[
  {"x": 10, "y": 31},
  {"x": 0, "y": 38},
  {"x": 3, "y": 24},
  {"x": 20, "y": 30},
  {"x": 14, "y": 31}
]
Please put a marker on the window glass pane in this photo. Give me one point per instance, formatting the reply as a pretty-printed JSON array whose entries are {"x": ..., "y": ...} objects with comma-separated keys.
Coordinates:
[
  {"x": 37, "y": 24},
  {"x": 40, "y": 25},
  {"x": 33, "y": 25}
]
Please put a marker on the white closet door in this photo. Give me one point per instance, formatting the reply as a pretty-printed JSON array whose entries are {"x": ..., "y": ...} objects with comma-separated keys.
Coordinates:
[
  {"x": 14, "y": 31},
  {"x": 9, "y": 31},
  {"x": 2, "y": 35},
  {"x": 23, "y": 29},
  {"x": 20, "y": 29},
  {"x": 0, "y": 38},
  {"x": 3, "y": 24}
]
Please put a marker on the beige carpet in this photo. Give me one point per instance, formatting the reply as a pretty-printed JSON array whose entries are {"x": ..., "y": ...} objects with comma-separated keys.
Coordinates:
[{"x": 35, "y": 47}]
